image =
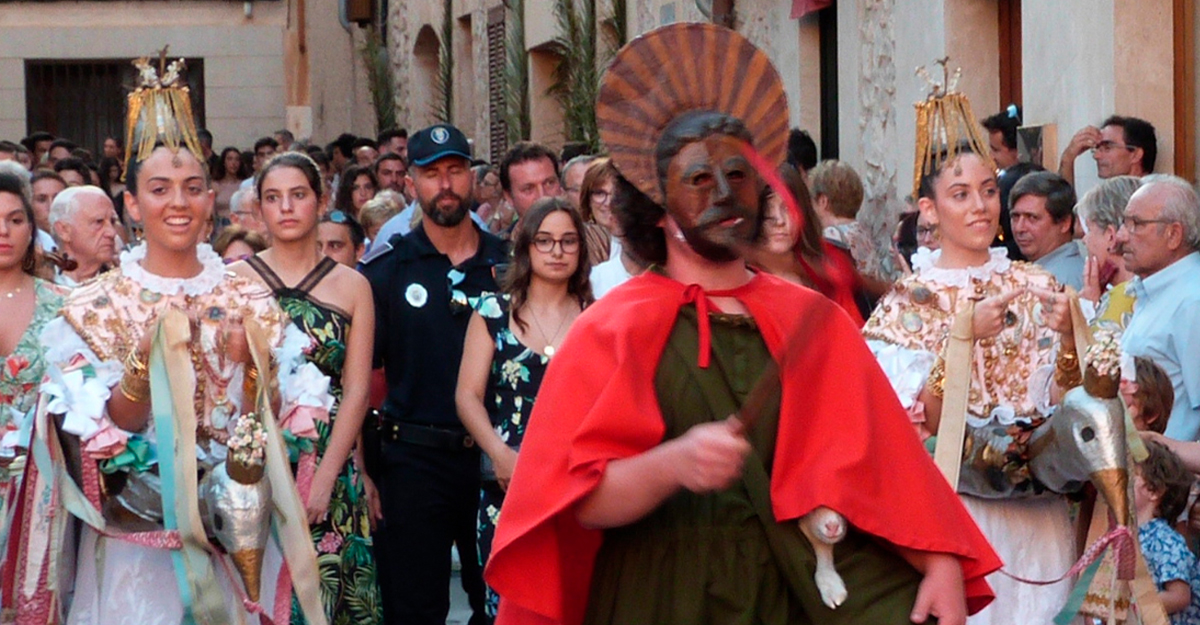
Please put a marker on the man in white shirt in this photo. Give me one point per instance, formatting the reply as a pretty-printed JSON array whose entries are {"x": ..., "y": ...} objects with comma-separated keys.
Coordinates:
[{"x": 1160, "y": 242}]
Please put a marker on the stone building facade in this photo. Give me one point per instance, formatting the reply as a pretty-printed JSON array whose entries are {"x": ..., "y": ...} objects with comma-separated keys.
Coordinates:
[
  {"x": 265, "y": 65},
  {"x": 1069, "y": 63}
]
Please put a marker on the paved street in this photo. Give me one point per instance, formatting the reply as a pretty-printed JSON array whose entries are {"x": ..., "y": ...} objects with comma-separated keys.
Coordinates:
[{"x": 460, "y": 611}]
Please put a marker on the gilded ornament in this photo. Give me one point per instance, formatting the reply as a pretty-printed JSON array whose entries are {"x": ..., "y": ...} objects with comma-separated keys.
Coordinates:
[
  {"x": 921, "y": 295},
  {"x": 911, "y": 321}
]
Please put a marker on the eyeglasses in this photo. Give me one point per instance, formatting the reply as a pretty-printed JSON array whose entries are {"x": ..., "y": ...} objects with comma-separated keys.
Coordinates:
[
  {"x": 1108, "y": 146},
  {"x": 1133, "y": 224},
  {"x": 600, "y": 196},
  {"x": 545, "y": 244},
  {"x": 926, "y": 231}
]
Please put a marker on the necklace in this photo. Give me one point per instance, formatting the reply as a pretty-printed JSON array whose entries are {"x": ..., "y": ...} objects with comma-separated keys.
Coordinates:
[
  {"x": 549, "y": 349},
  {"x": 13, "y": 293}
]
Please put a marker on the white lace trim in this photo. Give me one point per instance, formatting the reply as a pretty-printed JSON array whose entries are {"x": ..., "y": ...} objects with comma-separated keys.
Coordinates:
[
  {"x": 208, "y": 278},
  {"x": 924, "y": 262},
  {"x": 907, "y": 369}
]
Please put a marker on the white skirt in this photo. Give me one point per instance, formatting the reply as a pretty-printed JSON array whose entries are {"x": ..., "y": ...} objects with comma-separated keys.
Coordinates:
[
  {"x": 120, "y": 583},
  {"x": 1036, "y": 540}
]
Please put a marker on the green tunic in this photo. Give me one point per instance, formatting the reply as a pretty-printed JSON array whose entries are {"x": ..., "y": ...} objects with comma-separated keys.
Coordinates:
[{"x": 711, "y": 558}]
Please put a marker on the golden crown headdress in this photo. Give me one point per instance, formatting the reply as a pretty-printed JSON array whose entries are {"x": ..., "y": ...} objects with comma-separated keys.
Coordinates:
[
  {"x": 160, "y": 110},
  {"x": 944, "y": 124}
]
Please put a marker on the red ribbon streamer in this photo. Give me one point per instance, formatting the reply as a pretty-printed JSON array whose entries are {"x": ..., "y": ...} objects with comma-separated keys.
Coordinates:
[{"x": 1120, "y": 539}]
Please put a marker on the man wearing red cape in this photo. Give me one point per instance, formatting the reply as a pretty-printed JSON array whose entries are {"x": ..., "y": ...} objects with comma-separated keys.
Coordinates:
[{"x": 637, "y": 498}]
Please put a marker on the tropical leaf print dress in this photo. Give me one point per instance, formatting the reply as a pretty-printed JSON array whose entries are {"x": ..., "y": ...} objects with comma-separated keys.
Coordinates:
[
  {"x": 513, "y": 384},
  {"x": 349, "y": 589}
]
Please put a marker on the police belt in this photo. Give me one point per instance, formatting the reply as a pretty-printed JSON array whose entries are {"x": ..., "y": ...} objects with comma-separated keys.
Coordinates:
[{"x": 393, "y": 431}]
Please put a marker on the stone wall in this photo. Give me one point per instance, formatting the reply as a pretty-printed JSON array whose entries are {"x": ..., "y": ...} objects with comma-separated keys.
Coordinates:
[{"x": 245, "y": 61}]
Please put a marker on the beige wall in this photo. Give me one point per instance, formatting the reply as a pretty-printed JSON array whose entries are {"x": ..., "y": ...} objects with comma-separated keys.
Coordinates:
[
  {"x": 1143, "y": 70},
  {"x": 244, "y": 72},
  {"x": 339, "y": 97}
]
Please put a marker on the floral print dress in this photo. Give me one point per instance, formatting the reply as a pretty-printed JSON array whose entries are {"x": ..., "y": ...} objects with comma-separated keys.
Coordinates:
[
  {"x": 1169, "y": 559},
  {"x": 349, "y": 588},
  {"x": 20, "y": 377},
  {"x": 513, "y": 384}
]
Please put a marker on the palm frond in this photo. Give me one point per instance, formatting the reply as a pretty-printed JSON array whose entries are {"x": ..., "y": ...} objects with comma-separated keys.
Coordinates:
[
  {"x": 516, "y": 70},
  {"x": 576, "y": 78},
  {"x": 618, "y": 36},
  {"x": 443, "y": 108},
  {"x": 380, "y": 80}
]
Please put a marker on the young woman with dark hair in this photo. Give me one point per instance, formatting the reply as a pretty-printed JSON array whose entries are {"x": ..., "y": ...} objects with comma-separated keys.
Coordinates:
[
  {"x": 510, "y": 340},
  {"x": 357, "y": 185},
  {"x": 26, "y": 304},
  {"x": 226, "y": 181},
  {"x": 332, "y": 304}
]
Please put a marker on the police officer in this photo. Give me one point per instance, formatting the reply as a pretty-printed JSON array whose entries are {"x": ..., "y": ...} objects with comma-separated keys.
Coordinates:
[{"x": 425, "y": 283}]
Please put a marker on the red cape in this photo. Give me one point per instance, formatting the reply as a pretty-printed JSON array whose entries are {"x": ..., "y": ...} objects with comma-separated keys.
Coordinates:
[{"x": 851, "y": 447}]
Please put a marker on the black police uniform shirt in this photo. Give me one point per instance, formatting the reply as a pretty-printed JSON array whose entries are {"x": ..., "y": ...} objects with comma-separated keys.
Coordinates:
[{"x": 422, "y": 306}]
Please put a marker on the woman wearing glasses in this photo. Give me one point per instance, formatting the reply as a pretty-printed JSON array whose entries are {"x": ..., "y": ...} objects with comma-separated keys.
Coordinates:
[
  {"x": 1101, "y": 211},
  {"x": 596, "y": 199},
  {"x": 332, "y": 304},
  {"x": 510, "y": 340}
]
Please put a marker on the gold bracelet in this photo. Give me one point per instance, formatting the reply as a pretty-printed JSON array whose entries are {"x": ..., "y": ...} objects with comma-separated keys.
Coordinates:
[
  {"x": 135, "y": 388},
  {"x": 135, "y": 366},
  {"x": 250, "y": 383},
  {"x": 937, "y": 379},
  {"x": 1066, "y": 371}
]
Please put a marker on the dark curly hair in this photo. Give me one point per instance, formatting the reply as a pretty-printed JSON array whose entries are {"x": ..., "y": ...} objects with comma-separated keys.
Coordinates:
[
  {"x": 345, "y": 192},
  {"x": 1164, "y": 474},
  {"x": 520, "y": 272}
]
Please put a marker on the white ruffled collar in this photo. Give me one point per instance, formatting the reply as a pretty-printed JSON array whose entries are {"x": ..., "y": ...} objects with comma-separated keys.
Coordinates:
[
  {"x": 924, "y": 262},
  {"x": 208, "y": 278}
]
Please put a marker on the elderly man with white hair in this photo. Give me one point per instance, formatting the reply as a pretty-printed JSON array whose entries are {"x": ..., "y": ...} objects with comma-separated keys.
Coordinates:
[
  {"x": 84, "y": 224},
  {"x": 1160, "y": 242},
  {"x": 243, "y": 212}
]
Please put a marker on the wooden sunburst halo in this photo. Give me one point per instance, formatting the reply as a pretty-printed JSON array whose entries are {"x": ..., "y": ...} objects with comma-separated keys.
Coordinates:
[{"x": 679, "y": 69}]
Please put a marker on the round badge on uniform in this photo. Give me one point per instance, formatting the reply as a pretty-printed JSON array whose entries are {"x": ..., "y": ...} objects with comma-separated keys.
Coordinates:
[
  {"x": 439, "y": 135},
  {"x": 416, "y": 295}
]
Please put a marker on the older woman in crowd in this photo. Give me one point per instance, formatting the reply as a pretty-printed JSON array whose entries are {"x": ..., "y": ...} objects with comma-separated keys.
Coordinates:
[
  {"x": 1101, "y": 212},
  {"x": 596, "y": 198},
  {"x": 237, "y": 243}
]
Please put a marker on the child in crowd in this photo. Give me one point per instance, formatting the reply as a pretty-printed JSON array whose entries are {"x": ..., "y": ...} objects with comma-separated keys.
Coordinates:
[
  {"x": 1161, "y": 486},
  {"x": 1150, "y": 397}
]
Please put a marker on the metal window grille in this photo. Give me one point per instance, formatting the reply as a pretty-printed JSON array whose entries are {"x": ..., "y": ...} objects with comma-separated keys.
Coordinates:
[
  {"x": 497, "y": 106},
  {"x": 84, "y": 100}
]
